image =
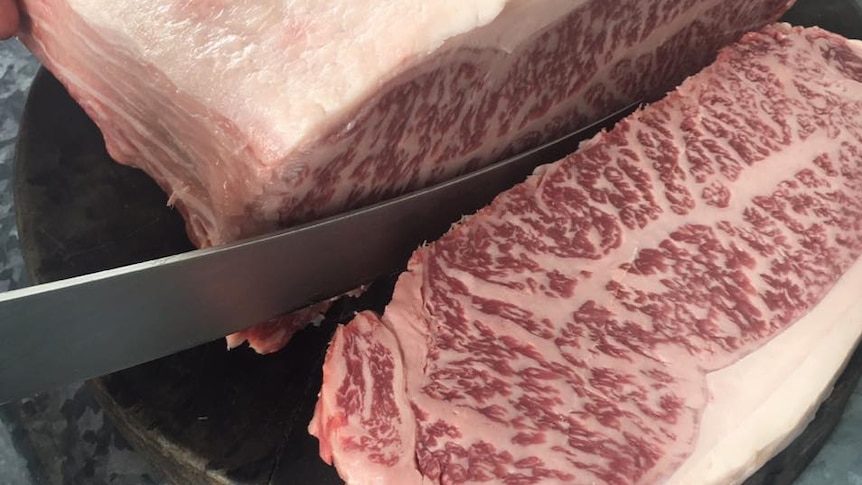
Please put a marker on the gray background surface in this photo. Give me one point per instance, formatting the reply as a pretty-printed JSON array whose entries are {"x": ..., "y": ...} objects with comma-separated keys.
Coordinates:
[{"x": 62, "y": 437}]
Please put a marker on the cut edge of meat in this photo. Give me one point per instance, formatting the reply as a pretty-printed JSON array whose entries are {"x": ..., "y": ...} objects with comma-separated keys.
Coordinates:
[
  {"x": 617, "y": 67},
  {"x": 771, "y": 443}
]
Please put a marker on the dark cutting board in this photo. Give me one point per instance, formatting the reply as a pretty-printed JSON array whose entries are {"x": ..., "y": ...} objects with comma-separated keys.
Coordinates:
[{"x": 207, "y": 415}]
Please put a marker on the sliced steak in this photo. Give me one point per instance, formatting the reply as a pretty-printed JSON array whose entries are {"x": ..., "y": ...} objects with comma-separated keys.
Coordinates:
[{"x": 649, "y": 308}]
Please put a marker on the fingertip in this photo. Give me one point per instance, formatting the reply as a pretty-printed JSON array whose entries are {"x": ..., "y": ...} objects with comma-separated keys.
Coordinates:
[{"x": 9, "y": 18}]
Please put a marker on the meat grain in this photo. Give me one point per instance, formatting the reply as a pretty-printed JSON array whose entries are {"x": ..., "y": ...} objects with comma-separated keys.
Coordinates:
[
  {"x": 257, "y": 115},
  {"x": 667, "y": 305}
]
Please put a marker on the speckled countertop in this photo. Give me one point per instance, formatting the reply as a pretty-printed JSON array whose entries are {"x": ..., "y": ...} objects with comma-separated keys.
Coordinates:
[{"x": 62, "y": 437}]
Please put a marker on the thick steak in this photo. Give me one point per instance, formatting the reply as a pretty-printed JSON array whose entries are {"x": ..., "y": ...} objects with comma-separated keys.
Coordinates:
[{"x": 620, "y": 316}]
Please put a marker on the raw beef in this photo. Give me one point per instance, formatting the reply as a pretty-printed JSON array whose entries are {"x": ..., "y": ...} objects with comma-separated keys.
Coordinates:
[
  {"x": 255, "y": 115},
  {"x": 665, "y": 306}
]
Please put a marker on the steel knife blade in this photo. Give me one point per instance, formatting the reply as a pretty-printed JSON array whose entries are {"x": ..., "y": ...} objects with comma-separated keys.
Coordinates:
[{"x": 83, "y": 327}]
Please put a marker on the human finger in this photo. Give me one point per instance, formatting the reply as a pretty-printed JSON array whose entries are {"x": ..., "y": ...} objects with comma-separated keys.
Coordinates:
[{"x": 9, "y": 18}]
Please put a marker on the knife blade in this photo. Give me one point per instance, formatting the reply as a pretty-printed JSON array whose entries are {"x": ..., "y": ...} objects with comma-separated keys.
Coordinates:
[{"x": 87, "y": 326}]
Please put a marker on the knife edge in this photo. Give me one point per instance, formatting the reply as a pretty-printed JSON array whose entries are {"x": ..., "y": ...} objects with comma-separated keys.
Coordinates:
[{"x": 89, "y": 325}]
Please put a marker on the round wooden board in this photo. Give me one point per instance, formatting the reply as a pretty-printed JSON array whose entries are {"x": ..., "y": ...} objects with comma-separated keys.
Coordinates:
[{"x": 206, "y": 415}]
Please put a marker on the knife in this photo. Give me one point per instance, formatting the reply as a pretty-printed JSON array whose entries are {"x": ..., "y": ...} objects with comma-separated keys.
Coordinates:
[{"x": 87, "y": 326}]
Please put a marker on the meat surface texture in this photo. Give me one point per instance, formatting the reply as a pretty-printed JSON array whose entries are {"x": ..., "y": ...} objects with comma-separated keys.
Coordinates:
[
  {"x": 257, "y": 115},
  {"x": 254, "y": 115},
  {"x": 668, "y": 305}
]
